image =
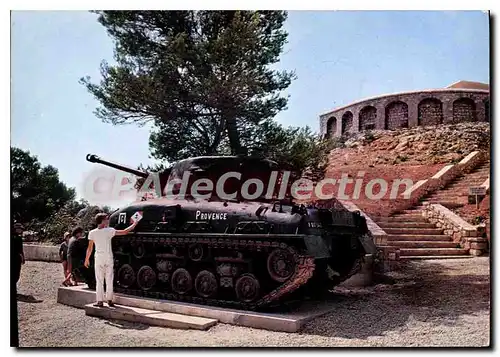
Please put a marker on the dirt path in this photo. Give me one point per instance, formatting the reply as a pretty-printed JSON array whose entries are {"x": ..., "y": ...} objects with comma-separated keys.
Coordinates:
[{"x": 432, "y": 303}]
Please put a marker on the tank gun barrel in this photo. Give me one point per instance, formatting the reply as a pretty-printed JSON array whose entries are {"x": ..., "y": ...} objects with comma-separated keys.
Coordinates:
[{"x": 96, "y": 159}]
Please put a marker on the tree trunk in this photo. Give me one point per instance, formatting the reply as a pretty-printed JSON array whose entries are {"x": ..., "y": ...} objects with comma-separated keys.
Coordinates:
[
  {"x": 234, "y": 137},
  {"x": 217, "y": 138}
]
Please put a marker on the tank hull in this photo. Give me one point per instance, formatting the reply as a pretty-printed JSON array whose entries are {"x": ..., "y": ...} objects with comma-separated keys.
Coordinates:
[{"x": 240, "y": 260}]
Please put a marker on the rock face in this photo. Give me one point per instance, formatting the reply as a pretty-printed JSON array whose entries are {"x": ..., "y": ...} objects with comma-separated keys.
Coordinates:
[{"x": 415, "y": 146}]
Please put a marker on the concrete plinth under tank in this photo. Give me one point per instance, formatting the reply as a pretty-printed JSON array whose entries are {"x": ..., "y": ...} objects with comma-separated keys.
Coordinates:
[{"x": 290, "y": 321}]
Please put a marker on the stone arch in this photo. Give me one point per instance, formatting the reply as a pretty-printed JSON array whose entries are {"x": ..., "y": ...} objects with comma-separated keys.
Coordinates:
[
  {"x": 430, "y": 112},
  {"x": 331, "y": 127},
  {"x": 464, "y": 109},
  {"x": 347, "y": 122},
  {"x": 367, "y": 118},
  {"x": 396, "y": 115},
  {"x": 487, "y": 110}
]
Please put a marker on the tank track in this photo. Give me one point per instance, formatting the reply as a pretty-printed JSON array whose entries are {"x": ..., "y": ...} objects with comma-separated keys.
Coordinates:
[{"x": 304, "y": 269}]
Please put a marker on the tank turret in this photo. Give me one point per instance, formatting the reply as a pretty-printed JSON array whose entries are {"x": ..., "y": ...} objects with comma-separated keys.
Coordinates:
[{"x": 213, "y": 168}]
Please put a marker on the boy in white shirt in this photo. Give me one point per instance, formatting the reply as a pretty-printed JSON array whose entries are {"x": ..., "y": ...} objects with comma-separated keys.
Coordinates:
[{"x": 101, "y": 237}]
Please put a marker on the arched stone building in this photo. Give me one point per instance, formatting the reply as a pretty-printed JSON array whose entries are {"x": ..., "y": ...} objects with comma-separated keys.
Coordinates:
[{"x": 460, "y": 102}]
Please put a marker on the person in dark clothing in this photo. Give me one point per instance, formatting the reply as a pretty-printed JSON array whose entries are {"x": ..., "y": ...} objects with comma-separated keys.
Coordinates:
[
  {"x": 63, "y": 254},
  {"x": 16, "y": 261},
  {"x": 77, "y": 248},
  {"x": 73, "y": 254},
  {"x": 88, "y": 272},
  {"x": 17, "y": 251}
]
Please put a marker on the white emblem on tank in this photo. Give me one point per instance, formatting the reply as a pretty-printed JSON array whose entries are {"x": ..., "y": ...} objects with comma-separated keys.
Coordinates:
[{"x": 122, "y": 218}]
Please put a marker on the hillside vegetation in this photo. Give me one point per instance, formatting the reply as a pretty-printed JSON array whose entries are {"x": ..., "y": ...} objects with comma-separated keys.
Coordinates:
[{"x": 415, "y": 146}]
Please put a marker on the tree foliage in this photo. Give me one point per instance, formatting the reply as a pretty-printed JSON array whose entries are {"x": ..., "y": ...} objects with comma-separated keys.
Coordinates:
[
  {"x": 203, "y": 78},
  {"x": 297, "y": 149},
  {"x": 36, "y": 191},
  {"x": 73, "y": 214}
]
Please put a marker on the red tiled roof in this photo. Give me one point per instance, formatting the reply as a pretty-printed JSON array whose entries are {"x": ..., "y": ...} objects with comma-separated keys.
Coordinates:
[{"x": 469, "y": 85}]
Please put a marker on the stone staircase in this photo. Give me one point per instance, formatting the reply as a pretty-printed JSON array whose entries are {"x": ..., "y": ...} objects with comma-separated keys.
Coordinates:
[
  {"x": 455, "y": 194},
  {"x": 417, "y": 238}
]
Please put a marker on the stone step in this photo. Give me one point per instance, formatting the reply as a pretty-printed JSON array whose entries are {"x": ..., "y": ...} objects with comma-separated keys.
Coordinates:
[
  {"x": 453, "y": 205},
  {"x": 412, "y": 211},
  {"x": 412, "y": 231},
  {"x": 463, "y": 190},
  {"x": 404, "y": 218},
  {"x": 467, "y": 180},
  {"x": 447, "y": 204},
  {"x": 432, "y": 251},
  {"x": 449, "y": 197},
  {"x": 418, "y": 237},
  {"x": 456, "y": 202},
  {"x": 454, "y": 199},
  {"x": 150, "y": 317},
  {"x": 471, "y": 178},
  {"x": 482, "y": 171},
  {"x": 464, "y": 186},
  {"x": 422, "y": 244},
  {"x": 475, "y": 180},
  {"x": 421, "y": 257},
  {"x": 449, "y": 194},
  {"x": 407, "y": 224}
]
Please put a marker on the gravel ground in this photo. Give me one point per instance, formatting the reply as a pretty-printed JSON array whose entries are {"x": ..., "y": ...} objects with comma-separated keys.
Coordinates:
[{"x": 428, "y": 303}]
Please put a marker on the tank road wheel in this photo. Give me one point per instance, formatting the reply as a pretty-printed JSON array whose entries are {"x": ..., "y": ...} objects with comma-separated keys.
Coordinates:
[
  {"x": 281, "y": 265},
  {"x": 247, "y": 288},
  {"x": 138, "y": 250},
  {"x": 126, "y": 276},
  {"x": 146, "y": 277},
  {"x": 195, "y": 252},
  {"x": 205, "y": 284},
  {"x": 182, "y": 282}
]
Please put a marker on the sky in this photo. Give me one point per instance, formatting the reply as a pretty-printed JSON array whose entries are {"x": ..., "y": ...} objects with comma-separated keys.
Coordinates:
[{"x": 338, "y": 57}]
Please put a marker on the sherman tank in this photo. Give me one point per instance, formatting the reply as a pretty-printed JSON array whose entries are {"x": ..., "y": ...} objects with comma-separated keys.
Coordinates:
[{"x": 245, "y": 253}]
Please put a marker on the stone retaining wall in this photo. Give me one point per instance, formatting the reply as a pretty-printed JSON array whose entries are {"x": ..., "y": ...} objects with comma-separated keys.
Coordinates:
[
  {"x": 379, "y": 235},
  {"x": 385, "y": 255},
  {"x": 468, "y": 236},
  {"x": 44, "y": 253}
]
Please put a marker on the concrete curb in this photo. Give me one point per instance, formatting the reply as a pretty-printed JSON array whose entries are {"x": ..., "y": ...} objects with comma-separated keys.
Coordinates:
[
  {"x": 285, "y": 322},
  {"x": 44, "y": 253}
]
